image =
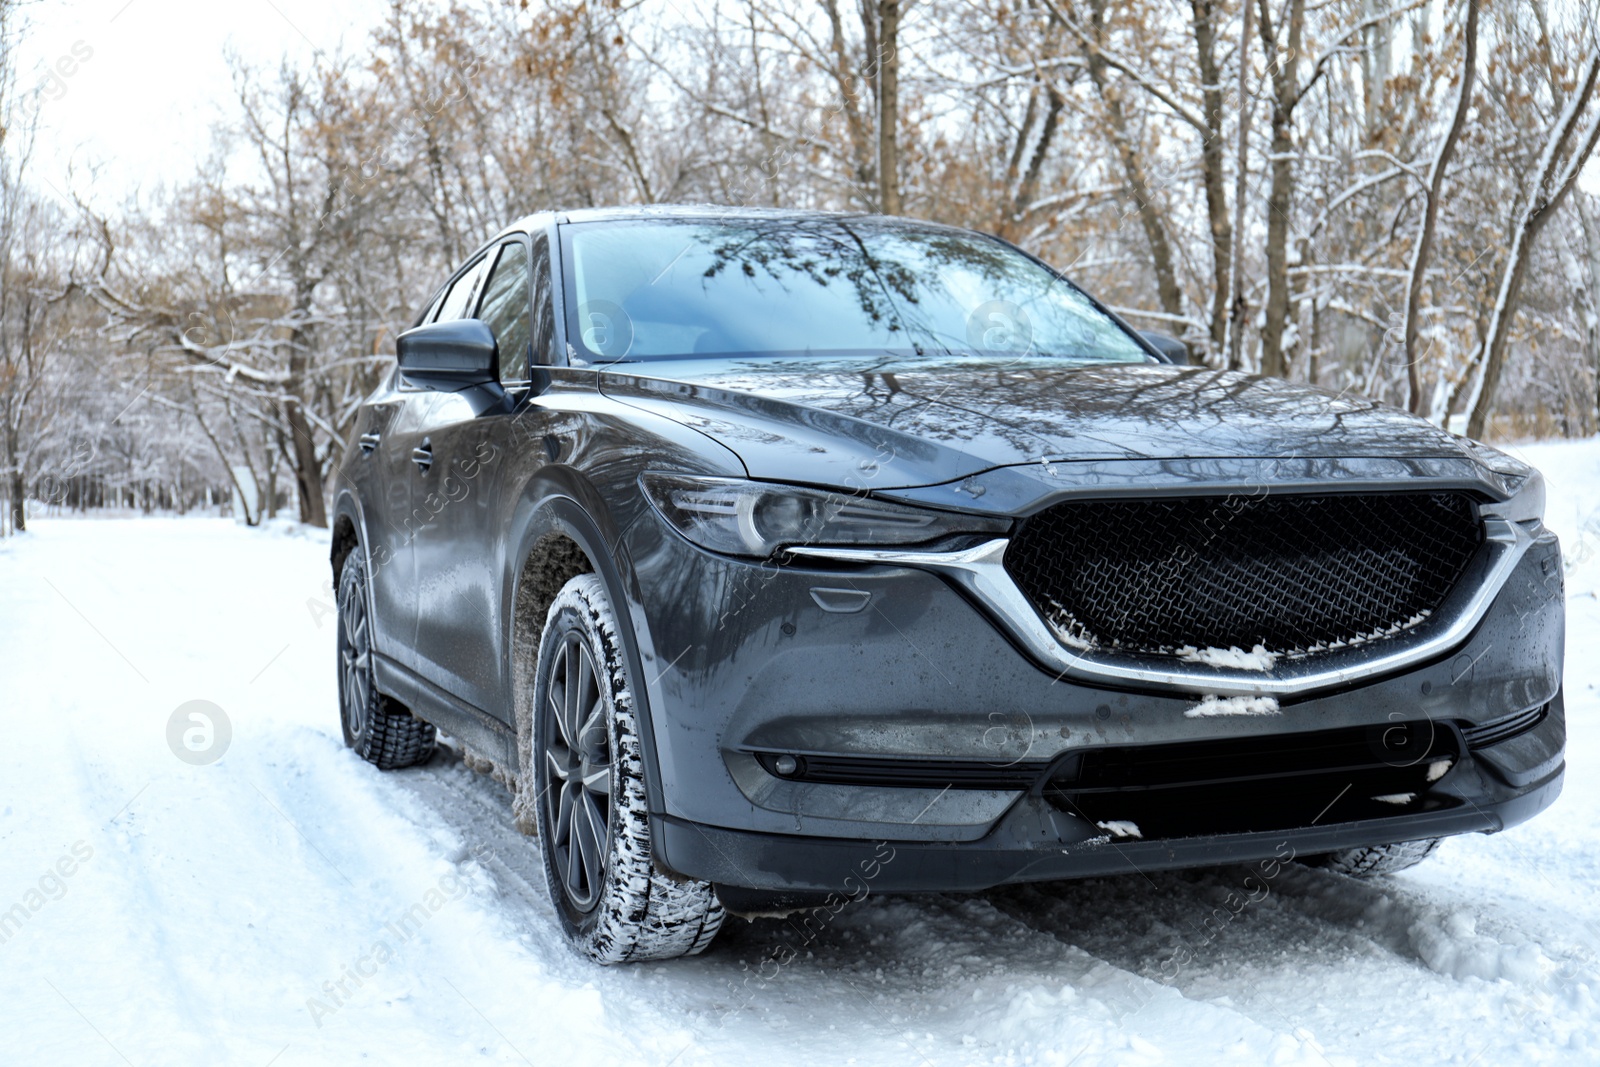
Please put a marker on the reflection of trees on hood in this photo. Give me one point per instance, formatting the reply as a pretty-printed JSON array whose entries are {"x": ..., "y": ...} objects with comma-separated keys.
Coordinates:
[{"x": 1032, "y": 405}]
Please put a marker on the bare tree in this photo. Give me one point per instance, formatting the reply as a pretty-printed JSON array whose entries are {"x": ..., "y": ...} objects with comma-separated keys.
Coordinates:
[
  {"x": 1567, "y": 148},
  {"x": 1281, "y": 181},
  {"x": 1422, "y": 248},
  {"x": 1283, "y": 61},
  {"x": 884, "y": 28}
]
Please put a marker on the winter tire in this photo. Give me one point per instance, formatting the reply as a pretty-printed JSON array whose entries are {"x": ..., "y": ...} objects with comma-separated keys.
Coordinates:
[
  {"x": 594, "y": 824},
  {"x": 1377, "y": 859},
  {"x": 381, "y": 731}
]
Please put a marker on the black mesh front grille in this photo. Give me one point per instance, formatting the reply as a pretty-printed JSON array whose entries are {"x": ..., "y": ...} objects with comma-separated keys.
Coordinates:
[{"x": 1296, "y": 574}]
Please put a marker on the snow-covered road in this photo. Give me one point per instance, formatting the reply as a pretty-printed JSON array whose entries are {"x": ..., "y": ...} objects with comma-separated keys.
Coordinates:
[{"x": 289, "y": 904}]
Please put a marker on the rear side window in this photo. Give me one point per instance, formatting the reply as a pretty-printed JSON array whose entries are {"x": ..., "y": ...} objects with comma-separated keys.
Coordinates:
[
  {"x": 456, "y": 300},
  {"x": 505, "y": 309}
]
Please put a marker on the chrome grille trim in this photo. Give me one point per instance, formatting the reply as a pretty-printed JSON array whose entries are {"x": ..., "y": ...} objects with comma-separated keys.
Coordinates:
[{"x": 980, "y": 572}]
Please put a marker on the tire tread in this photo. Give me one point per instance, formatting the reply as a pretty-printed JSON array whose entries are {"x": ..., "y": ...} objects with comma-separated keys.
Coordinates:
[
  {"x": 1377, "y": 860},
  {"x": 394, "y": 737},
  {"x": 643, "y": 913}
]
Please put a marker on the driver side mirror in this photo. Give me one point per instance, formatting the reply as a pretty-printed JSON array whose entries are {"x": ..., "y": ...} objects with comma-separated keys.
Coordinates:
[
  {"x": 449, "y": 355},
  {"x": 1175, "y": 350}
]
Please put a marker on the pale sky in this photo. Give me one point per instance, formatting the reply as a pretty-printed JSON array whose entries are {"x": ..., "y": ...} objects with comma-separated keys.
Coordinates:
[{"x": 156, "y": 77}]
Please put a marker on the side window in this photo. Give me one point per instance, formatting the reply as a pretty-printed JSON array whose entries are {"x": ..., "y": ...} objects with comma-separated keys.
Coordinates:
[
  {"x": 505, "y": 308},
  {"x": 544, "y": 316},
  {"x": 455, "y": 301}
]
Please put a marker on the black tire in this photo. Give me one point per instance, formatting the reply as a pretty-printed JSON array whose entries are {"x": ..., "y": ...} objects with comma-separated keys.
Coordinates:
[
  {"x": 381, "y": 731},
  {"x": 594, "y": 823},
  {"x": 1375, "y": 860}
]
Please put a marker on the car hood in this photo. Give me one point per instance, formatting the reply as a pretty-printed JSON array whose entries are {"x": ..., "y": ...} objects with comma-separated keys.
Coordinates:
[{"x": 886, "y": 424}]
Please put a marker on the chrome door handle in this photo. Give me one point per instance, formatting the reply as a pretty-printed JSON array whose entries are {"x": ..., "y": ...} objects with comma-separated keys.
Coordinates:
[
  {"x": 368, "y": 441},
  {"x": 423, "y": 456}
]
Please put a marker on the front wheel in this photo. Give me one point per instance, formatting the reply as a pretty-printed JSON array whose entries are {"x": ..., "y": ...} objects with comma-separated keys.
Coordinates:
[{"x": 594, "y": 823}]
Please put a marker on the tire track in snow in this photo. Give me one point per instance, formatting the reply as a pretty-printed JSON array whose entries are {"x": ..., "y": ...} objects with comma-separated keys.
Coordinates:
[
  {"x": 480, "y": 809},
  {"x": 872, "y": 984},
  {"x": 1037, "y": 974},
  {"x": 1314, "y": 938},
  {"x": 389, "y": 831}
]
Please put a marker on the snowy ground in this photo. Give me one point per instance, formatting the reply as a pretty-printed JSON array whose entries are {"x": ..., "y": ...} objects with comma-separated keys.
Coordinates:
[{"x": 184, "y": 914}]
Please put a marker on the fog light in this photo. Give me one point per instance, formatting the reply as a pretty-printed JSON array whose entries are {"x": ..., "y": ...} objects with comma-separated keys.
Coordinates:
[{"x": 786, "y": 765}]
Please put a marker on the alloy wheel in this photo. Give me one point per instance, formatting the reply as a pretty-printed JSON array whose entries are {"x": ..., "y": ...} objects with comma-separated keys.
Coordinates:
[
  {"x": 577, "y": 754},
  {"x": 355, "y": 660}
]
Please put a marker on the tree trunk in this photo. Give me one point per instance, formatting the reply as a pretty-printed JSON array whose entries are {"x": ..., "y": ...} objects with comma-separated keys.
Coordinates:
[
  {"x": 1589, "y": 220},
  {"x": 1423, "y": 251},
  {"x": 16, "y": 487},
  {"x": 888, "y": 61},
  {"x": 844, "y": 77},
  {"x": 1212, "y": 167},
  {"x": 307, "y": 468},
  {"x": 1238, "y": 311},
  {"x": 1022, "y": 176},
  {"x": 1376, "y": 64},
  {"x": 1274, "y": 360},
  {"x": 19, "y": 511},
  {"x": 1554, "y": 181},
  {"x": 1150, "y": 218}
]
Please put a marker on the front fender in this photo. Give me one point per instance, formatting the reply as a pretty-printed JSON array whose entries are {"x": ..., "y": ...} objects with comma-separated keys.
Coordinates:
[{"x": 561, "y": 503}]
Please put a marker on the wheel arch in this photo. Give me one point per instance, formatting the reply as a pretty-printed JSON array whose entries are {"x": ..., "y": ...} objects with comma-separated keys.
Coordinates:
[
  {"x": 349, "y": 537},
  {"x": 347, "y": 533},
  {"x": 562, "y": 528}
]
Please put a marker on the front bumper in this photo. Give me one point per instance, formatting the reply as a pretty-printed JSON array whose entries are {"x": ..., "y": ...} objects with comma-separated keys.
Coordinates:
[
  {"x": 1027, "y": 847},
  {"x": 877, "y": 661}
]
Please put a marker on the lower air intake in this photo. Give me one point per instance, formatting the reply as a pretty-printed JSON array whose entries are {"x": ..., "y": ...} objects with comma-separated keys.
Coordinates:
[{"x": 1257, "y": 784}]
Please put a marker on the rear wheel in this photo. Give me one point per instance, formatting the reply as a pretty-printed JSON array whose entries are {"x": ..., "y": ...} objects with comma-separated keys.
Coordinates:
[
  {"x": 594, "y": 824},
  {"x": 380, "y": 730},
  {"x": 1375, "y": 860}
]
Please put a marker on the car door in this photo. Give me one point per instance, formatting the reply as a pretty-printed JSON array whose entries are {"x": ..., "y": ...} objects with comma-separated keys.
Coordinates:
[
  {"x": 396, "y": 438},
  {"x": 460, "y": 551},
  {"x": 380, "y": 475}
]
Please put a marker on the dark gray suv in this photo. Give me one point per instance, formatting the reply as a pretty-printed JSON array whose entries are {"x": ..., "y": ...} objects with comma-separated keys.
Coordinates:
[{"x": 767, "y": 556}]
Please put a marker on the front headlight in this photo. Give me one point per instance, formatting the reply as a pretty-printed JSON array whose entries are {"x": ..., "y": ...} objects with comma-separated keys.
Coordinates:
[
  {"x": 744, "y": 518},
  {"x": 1526, "y": 505}
]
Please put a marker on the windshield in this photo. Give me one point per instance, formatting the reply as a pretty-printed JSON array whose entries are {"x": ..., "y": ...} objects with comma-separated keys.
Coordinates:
[{"x": 674, "y": 288}]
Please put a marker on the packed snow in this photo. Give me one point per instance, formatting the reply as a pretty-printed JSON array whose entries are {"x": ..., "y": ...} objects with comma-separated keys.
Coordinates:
[
  {"x": 289, "y": 904},
  {"x": 1257, "y": 659},
  {"x": 1211, "y": 706},
  {"x": 1120, "y": 828}
]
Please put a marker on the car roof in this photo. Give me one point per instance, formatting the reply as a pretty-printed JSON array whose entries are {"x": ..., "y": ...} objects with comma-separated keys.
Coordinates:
[
  {"x": 540, "y": 220},
  {"x": 641, "y": 211}
]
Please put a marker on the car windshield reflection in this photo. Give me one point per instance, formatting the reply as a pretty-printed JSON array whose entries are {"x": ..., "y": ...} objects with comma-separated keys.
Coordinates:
[{"x": 656, "y": 289}]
